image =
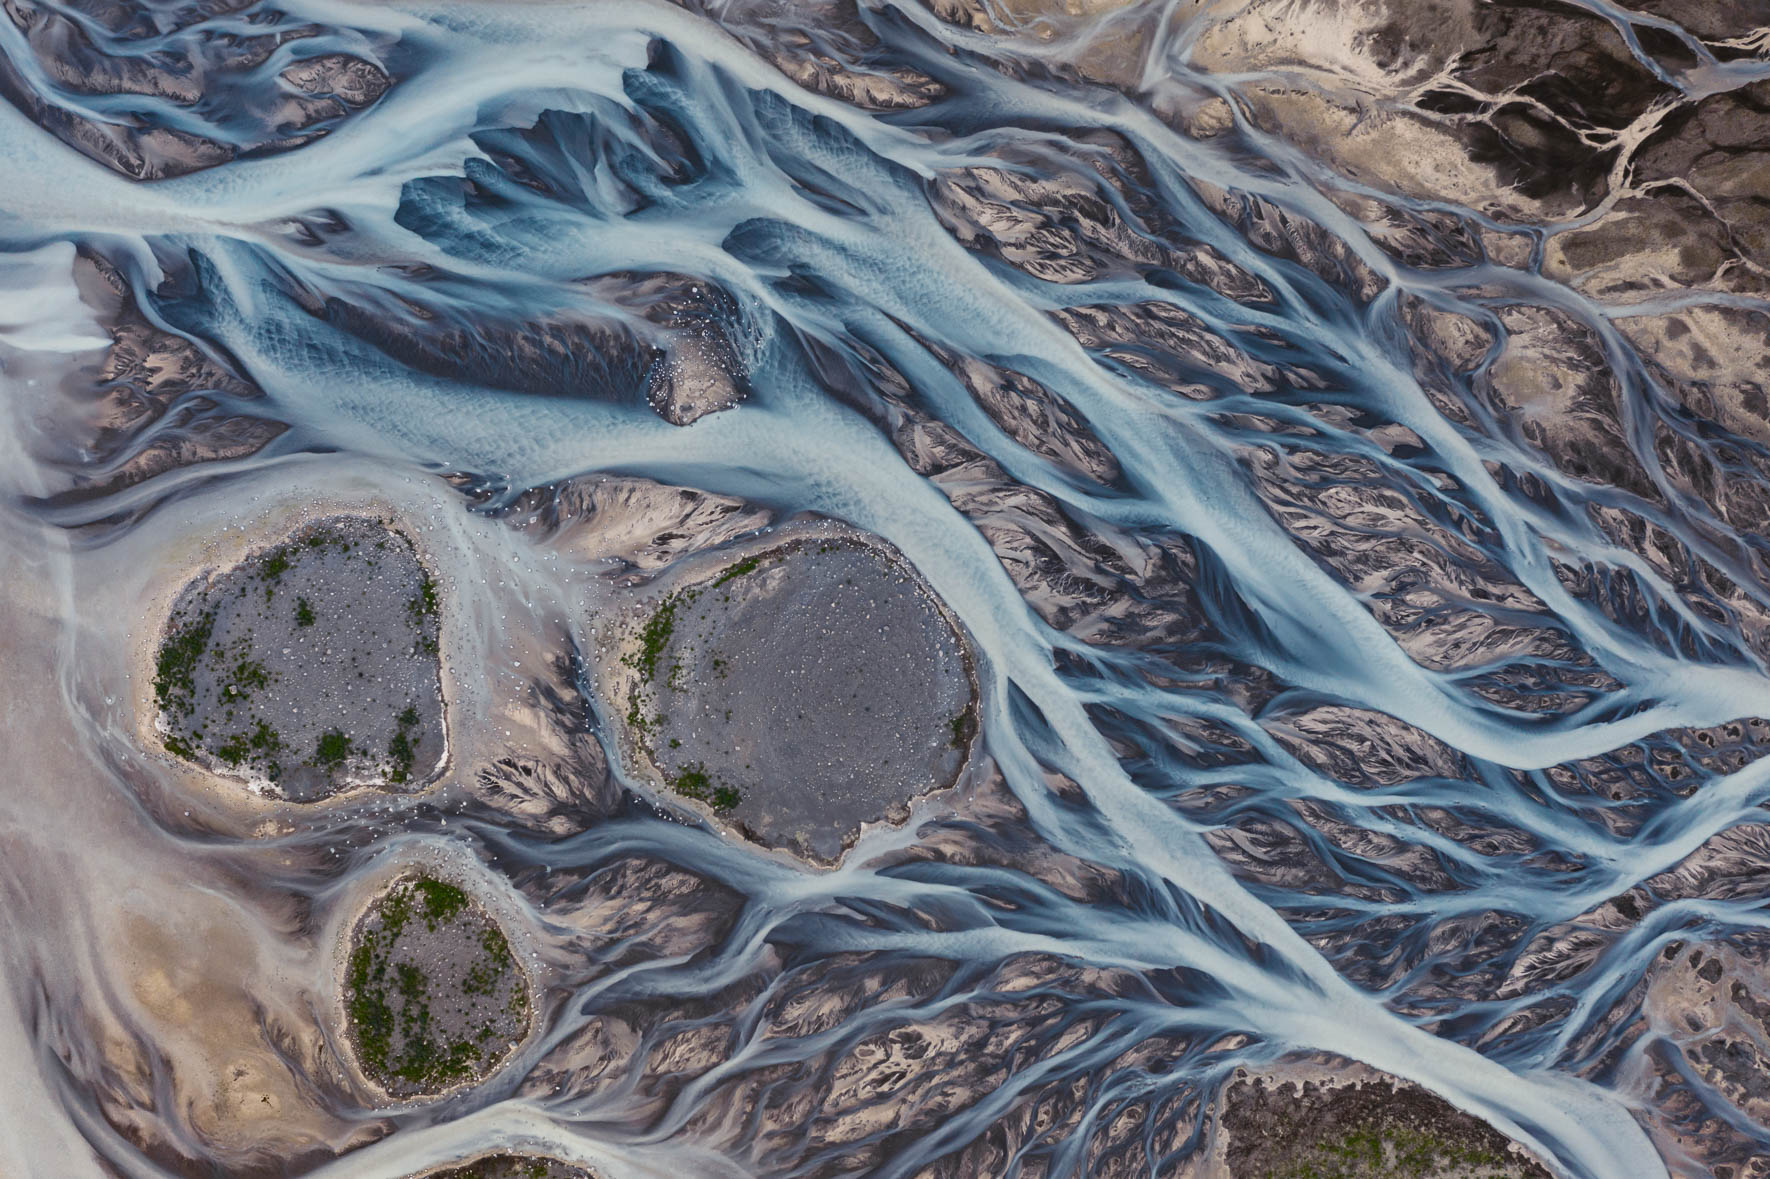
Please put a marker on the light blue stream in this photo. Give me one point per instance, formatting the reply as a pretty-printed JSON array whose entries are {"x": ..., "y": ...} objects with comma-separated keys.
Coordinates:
[{"x": 792, "y": 184}]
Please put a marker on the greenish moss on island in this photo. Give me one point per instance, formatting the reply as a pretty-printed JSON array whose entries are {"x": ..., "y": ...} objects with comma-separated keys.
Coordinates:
[
  {"x": 175, "y": 668},
  {"x": 655, "y": 635},
  {"x": 333, "y": 749},
  {"x": 1375, "y": 1129},
  {"x": 747, "y": 565},
  {"x": 692, "y": 781},
  {"x": 1393, "y": 1152},
  {"x": 402, "y": 748},
  {"x": 307, "y": 697},
  {"x": 433, "y": 997}
]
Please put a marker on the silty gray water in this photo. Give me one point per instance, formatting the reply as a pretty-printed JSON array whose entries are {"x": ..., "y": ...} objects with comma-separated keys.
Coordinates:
[{"x": 1392, "y": 693}]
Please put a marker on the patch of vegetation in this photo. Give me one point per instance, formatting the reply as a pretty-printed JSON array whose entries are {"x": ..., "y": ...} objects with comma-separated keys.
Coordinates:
[
  {"x": 443, "y": 902},
  {"x": 1392, "y": 1151},
  {"x": 320, "y": 537},
  {"x": 423, "y": 604},
  {"x": 234, "y": 750},
  {"x": 961, "y": 729},
  {"x": 303, "y": 612},
  {"x": 402, "y": 748},
  {"x": 692, "y": 781},
  {"x": 265, "y": 740},
  {"x": 250, "y": 674},
  {"x": 747, "y": 565},
  {"x": 484, "y": 975},
  {"x": 334, "y": 748},
  {"x": 371, "y": 1018},
  {"x": 396, "y": 910},
  {"x": 176, "y": 664},
  {"x": 257, "y": 748},
  {"x": 274, "y": 566},
  {"x": 655, "y": 636}
]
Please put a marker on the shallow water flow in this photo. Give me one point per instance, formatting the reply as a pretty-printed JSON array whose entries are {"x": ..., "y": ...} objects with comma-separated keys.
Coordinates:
[{"x": 1338, "y": 698}]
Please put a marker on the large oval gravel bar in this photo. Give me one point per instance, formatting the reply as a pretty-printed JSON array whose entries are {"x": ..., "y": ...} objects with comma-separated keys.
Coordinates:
[{"x": 805, "y": 691}]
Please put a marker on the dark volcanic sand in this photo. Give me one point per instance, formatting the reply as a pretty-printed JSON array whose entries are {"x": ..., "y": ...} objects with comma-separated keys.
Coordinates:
[
  {"x": 312, "y": 664},
  {"x": 804, "y": 692}
]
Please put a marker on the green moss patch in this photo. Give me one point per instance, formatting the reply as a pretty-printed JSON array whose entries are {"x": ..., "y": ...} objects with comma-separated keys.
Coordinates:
[
  {"x": 340, "y": 688},
  {"x": 186, "y": 642},
  {"x": 402, "y": 747},
  {"x": 747, "y": 565},
  {"x": 433, "y": 996},
  {"x": 692, "y": 781}
]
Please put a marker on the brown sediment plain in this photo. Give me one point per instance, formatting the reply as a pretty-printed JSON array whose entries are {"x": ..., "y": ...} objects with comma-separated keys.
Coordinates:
[
  {"x": 796, "y": 691},
  {"x": 299, "y": 656},
  {"x": 433, "y": 996},
  {"x": 1335, "y": 1119}
]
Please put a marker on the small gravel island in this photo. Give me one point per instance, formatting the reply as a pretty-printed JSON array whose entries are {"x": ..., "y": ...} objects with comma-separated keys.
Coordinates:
[
  {"x": 433, "y": 996},
  {"x": 309, "y": 668}
]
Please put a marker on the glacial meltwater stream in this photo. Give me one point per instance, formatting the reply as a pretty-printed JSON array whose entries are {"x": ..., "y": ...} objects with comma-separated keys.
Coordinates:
[{"x": 1327, "y": 710}]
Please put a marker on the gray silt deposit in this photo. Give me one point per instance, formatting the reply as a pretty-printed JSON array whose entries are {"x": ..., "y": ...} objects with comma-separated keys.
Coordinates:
[
  {"x": 433, "y": 997},
  {"x": 803, "y": 692},
  {"x": 312, "y": 665}
]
